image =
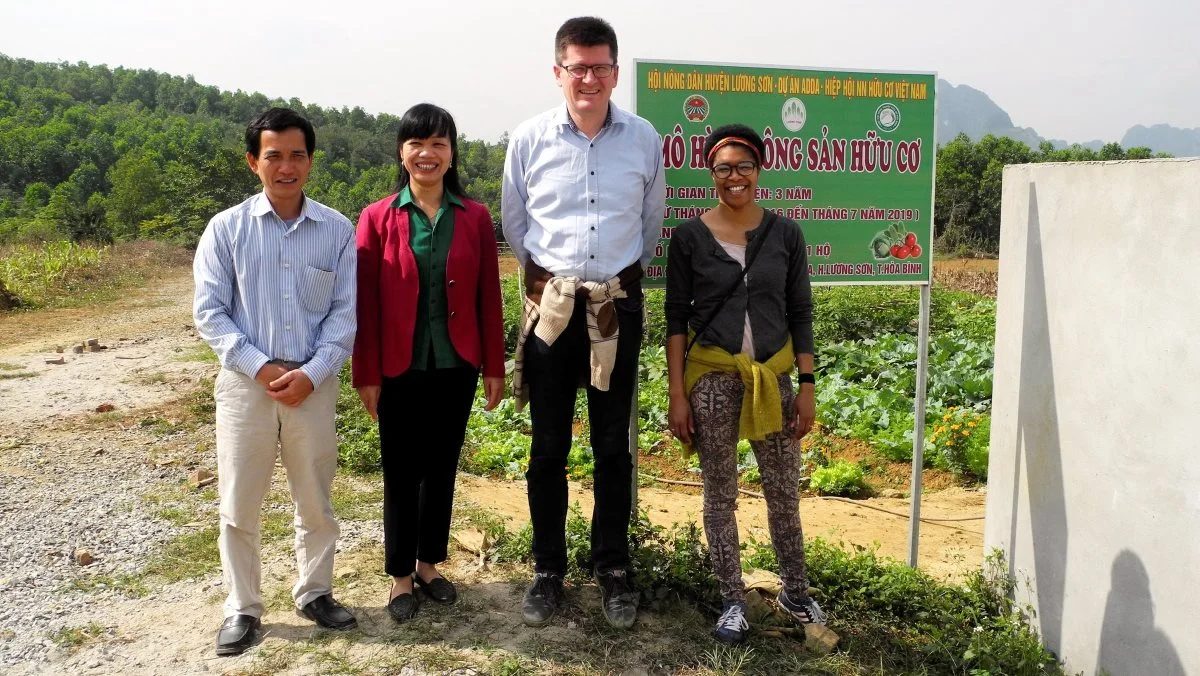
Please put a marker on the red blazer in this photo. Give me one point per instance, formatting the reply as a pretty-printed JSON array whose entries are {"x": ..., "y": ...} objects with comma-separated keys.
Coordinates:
[{"x": 388, "y": 288}]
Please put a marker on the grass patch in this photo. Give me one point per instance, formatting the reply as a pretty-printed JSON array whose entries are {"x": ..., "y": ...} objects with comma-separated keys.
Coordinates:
[
  {"x": 131, "y": 586},
  {"x": 358, "y": 498},
  {"x": 186, "y": 556},
  {"x": 728, "y": 659},
  {"x": 199, "y": 352},
  {"x": 5, "y": 366},
  {"x": 152, "y": 378},
  {"x": 76, "y": 637},
  {"x": 65, "y": 274},
  {"x": 270, "y": 659},
  {"x": 9, "y": 375}
]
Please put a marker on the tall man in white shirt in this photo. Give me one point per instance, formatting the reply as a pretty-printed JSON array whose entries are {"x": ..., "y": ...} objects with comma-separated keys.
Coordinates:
[
  {"x": 583, "y": 200},
  {"x": 275, "y": 288}
]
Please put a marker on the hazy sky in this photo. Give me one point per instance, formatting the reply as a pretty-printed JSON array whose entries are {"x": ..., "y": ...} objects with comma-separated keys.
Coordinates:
[{"x": 1065, "y": 67}]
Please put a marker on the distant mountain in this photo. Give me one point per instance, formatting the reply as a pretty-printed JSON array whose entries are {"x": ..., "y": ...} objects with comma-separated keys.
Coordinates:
[
  {"x": 1165, "y": 138},
  {"x": 964, "y": 109}
]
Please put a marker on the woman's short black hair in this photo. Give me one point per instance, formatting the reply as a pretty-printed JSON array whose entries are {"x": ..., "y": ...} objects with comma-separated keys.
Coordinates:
[
  {"x": 740, "y": 131},
  {"x": 278, "y": 119},
  {"x": 425, "y": 120},
  {"x": 584, "y": 31}
]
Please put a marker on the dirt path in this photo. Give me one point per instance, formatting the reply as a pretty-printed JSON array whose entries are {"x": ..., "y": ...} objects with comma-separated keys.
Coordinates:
[
  {"x": 946, "y": 551},
  {"x": 148, "y": 338},
  {"x": 50, "y": 450}
]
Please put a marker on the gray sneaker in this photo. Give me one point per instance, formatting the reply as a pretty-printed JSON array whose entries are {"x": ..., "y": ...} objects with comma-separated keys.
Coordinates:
[
  {"x": 732, "y": 627},
  {"x": 620, "y": 599},
  {"x": 804, "y": 611},
  {"x": 542, "y": 599}
]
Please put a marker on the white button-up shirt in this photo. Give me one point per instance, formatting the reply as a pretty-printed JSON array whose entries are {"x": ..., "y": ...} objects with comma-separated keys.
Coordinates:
[
  {"x": 579, "y": 207},
  {"x": 268, "y": 290}
]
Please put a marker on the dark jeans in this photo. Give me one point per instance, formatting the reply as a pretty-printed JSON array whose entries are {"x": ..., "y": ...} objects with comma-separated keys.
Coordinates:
[
  {"x": 422, "y": 423},
  {"x": 554, "y": 373}
]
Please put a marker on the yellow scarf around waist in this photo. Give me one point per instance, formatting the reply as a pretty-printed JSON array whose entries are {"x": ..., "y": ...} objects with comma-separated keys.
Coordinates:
[{"x": 762, "y": 408}]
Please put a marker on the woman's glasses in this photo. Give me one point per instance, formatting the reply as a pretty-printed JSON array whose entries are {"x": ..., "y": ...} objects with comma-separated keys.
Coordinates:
[{"x": 744, "y": 168}]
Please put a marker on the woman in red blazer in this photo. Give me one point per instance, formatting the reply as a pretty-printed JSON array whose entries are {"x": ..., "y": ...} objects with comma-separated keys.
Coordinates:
[{"x": 429, "y": 320}]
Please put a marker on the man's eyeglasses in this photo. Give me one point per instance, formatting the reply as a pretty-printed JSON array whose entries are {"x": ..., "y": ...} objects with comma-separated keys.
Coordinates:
[
  {"x": 744, "y": 168},
  {"x": 579, "y": 71}
]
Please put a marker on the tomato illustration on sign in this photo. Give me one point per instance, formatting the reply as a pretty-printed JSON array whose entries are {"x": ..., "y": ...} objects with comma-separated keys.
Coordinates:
[{"x": 895, "y": 242}]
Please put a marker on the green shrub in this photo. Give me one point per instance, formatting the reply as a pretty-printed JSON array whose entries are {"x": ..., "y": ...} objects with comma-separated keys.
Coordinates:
[
  {"x": 891, "y": 618},
  {"x": 514, "y": 299},
  {"x": 842, "y": 313},
  {"x": 31, "y": 272},
  {"x": 668, "y": 563},
  {"x": 901, "y": 620},
  {"x": 654, "y": 333},
  {"x": 358, "y": 435},
  {"x": 515, "y": 547},
  {"x": 839, "y": 478}
]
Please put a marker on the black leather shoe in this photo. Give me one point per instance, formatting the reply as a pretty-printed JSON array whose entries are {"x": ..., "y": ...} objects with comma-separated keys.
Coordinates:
[
  {"x": 620, "y": 598},
  {"x": 403, "y": 607},
  {"x": 329, "y": 614},
  {"x": 438, "y": 589},
  {"x": 542, "y": 599},
  {"x": 237, "y": 633}
]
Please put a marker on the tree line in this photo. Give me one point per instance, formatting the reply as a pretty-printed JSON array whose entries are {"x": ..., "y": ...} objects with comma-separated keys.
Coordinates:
[{"x": 93, "y": 153}]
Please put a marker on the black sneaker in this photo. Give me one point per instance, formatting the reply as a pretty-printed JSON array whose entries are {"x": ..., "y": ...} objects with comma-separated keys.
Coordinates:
[
  {"x": 542, "y": 599},
  {"x": 620, "y": 599},
  {"x": 732, "y": 627},
  {"x": 804, "y": 611}
]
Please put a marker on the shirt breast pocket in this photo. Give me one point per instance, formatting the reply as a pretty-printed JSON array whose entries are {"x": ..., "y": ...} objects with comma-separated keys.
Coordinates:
[{"x": 316, "y": 289}]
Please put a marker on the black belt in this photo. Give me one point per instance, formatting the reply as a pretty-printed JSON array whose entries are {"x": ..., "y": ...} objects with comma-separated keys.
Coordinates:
[{"x": 289, "y": 365}]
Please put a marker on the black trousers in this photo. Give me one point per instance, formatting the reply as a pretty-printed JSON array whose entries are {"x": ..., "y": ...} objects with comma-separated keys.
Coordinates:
[
  {"x": 554, "y": 374},
  {"x": 422, "y": 423}
]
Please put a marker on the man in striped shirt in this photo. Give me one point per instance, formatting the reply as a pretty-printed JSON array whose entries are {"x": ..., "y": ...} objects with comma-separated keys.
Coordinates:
[{"x": 275, "y": 301}]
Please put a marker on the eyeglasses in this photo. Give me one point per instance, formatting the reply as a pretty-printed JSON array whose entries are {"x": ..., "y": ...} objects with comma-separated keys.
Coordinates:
[
  {"x": 744, "y": 168},
  {"x": 579, "y": 71}
]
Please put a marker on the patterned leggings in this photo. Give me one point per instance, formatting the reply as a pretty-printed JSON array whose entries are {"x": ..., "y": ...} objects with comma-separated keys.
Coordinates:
[{"x": 716, "y": 407}]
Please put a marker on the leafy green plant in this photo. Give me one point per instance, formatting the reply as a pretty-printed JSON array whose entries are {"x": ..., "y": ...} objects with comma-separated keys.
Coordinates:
[{"x": 840, "y": 478}]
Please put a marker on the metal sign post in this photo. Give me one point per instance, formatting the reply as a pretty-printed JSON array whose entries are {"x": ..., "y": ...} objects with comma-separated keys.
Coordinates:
[{"x": 914, "y": 525}]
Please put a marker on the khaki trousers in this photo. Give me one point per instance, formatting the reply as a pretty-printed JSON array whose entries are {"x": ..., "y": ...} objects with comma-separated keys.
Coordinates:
[{"x": 251, "y": 429}]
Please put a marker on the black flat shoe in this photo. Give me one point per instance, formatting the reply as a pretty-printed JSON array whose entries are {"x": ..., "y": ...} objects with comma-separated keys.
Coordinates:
[
  {"x": 329, "y": 614},
  {"x": 438, "y": 589},
  {"x": 237, "y": 633},
  {"x": 403, "y": 607}
]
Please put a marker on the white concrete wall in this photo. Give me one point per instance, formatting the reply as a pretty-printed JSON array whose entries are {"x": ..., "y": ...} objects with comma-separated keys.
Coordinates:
[{"x": 1094, "y": 478}]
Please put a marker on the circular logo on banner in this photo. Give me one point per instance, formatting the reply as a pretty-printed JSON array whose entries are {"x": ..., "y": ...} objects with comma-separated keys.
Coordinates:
[
  {"x": 695, "y": 108},
  {"x": 887, "y": 117},
  {"x": 794, "y": 114}
]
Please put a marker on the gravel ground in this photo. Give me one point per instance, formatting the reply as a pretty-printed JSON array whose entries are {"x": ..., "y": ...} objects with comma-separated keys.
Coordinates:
[{"x": 61, "y": 497}]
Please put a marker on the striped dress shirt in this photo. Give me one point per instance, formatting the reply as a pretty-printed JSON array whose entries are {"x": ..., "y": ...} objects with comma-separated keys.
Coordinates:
[
  {"x": 266, "y": 290},
  {"x": 583, "y": 208}
]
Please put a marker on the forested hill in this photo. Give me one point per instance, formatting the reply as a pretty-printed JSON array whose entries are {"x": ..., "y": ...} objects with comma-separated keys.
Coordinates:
[{"x": 89, "y": 152}]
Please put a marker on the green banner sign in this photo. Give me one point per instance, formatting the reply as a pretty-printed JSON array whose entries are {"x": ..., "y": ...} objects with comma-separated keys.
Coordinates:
[{"x": 850, "y": 157}]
